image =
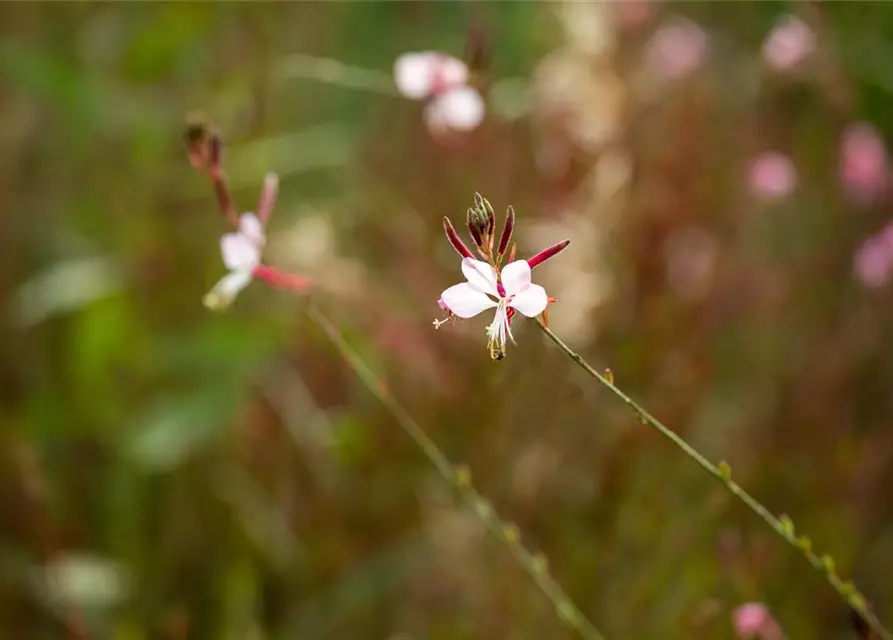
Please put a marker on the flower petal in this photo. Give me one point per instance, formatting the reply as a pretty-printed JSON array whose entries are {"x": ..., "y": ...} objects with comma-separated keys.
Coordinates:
[
  {"x": 465, "y": 300},
  {"x": 250, "y": 226},
  {"x": 515, "y": 277},
  {"x": 460, "y": 109},
  {"x": 451, "y": 71},
  {"x": 414, "y": 74},
  {"x": 531, "y": 302},
  {"x": 226, "y": 290},
  {"x": 239, "y": 252},
  {"x": 480, "y": 275}
]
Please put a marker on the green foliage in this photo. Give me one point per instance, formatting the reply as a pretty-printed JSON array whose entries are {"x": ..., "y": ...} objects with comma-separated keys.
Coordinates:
[{"x": 171, "y": 473}]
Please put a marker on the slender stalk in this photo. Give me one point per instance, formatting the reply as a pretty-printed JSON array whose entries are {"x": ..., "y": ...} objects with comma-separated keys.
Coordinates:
[
  {"x": 459, "y": 478},
  {"x": 333, "y": 71},
  {"x": 723, "y": 474}
]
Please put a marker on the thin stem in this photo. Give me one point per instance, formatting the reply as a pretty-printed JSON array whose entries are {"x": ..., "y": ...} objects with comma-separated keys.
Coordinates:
[
  {"x": 460, "y": 478},
  {"x": 335, "y": 72},
  {"x": 722, "y": 474}
]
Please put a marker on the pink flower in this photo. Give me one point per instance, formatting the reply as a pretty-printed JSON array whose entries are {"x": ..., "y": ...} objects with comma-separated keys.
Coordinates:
[
  {"x": 677, "y": 49},
  {"x": 788, "y": 44},
  {"x": 443, "y": 80},
  {"x": 872, "y": 263},
  {"x": 863, "y": 162},
  {"x": 753, "y": 620},
  {"x": 772, "y": 175},
  {"x": 510, "y": 291},
  {"x": 241, "y": 251}
]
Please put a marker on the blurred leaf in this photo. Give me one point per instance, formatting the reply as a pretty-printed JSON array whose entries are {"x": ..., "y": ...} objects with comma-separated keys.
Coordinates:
[
  {"x": 175, "y": 427},
  {"x": 351, "y": 439},
  {"x": 56, "y": 80},
  {"x": 66, "y": 287}
]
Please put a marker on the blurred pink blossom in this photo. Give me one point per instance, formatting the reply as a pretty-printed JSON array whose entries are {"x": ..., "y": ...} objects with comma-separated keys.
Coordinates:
[
  {"x": 753, "y": 620},
  {"x": 873, "y": 263},
  {"x": 863, "y": 162},
  {"x": 676, "y": 49},
  {"x": 788, "y": 44},
  {"x": 772, "y": 175},
  {"x": 442, "y": 80}
]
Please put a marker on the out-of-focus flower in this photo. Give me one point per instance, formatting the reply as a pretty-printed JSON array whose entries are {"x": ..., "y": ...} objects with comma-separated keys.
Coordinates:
[
  {"x": 677, "y": 49},
  {"x": 873, "y": 263},
  {"x": 753, "y": 620},
  {"x": 241, "y": 253},
  {"x": 789, "y": 43},
  {"x": 510, "y": 291},
  {"x": 863, "y": 162},
  {"x": 443, "y": 81},
  {"x": 461, "y": 109},
  {"x": 772, "y": 175}
]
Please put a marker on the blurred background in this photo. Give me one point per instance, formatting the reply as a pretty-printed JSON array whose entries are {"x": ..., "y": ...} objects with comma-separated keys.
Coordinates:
[{"x": 168, "y": 472}]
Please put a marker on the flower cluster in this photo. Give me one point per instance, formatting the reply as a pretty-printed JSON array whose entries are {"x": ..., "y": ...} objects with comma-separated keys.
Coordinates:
[
  {"x": 443, "y": 81},
  {"x": 508, "y": 290}
]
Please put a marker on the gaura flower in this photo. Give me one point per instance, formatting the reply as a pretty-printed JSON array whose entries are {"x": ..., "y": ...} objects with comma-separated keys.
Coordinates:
[
  {"x": 508, "y": 292},
  {"x": 772, "y": 175},
  {"x": 443, "y": 80},
  {"x": 788, "y": 44},
  {"x": 864, "y": 163},
  {"x": 241, "y": 251}
]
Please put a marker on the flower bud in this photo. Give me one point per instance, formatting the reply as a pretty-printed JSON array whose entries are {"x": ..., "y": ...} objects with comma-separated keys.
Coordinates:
[
  {"x": 478, "y": 225},
  {"x": 454, "y": 239},
  {"x": 507, "y": 231}
]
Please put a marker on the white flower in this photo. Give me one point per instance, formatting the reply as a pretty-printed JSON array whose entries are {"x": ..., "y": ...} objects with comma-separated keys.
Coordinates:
[
  {"x": 241, "y": 253},
  {"x": 421, "y": 75},
  {"x": 444, "y": 80},
  {"x": 513, "y": 290},
  {"x": 461, "y": 109}
]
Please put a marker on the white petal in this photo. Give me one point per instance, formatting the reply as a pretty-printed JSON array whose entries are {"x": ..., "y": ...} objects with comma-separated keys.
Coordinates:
[
  {"x": 451, "y": 71},
  {"x": 531, "y": 302},
  {"x": 480, "y": 275},
  {"x": 414, "y": 74},
  {"x": 250, "y": 227},
  {"x": 461, "y": 109},
  {"x": 239, "y": 252},
  {"x": 226, "y": 290},
  {"x": 515, "y": 277},
  {"x": 465, "y": 300}
]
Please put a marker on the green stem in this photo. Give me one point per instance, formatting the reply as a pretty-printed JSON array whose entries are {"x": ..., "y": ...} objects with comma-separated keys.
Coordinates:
[
  {"x": 333, "y": 71},
  {"x": 460, "y": 479},
  {"x": 722, "y": 474}
]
